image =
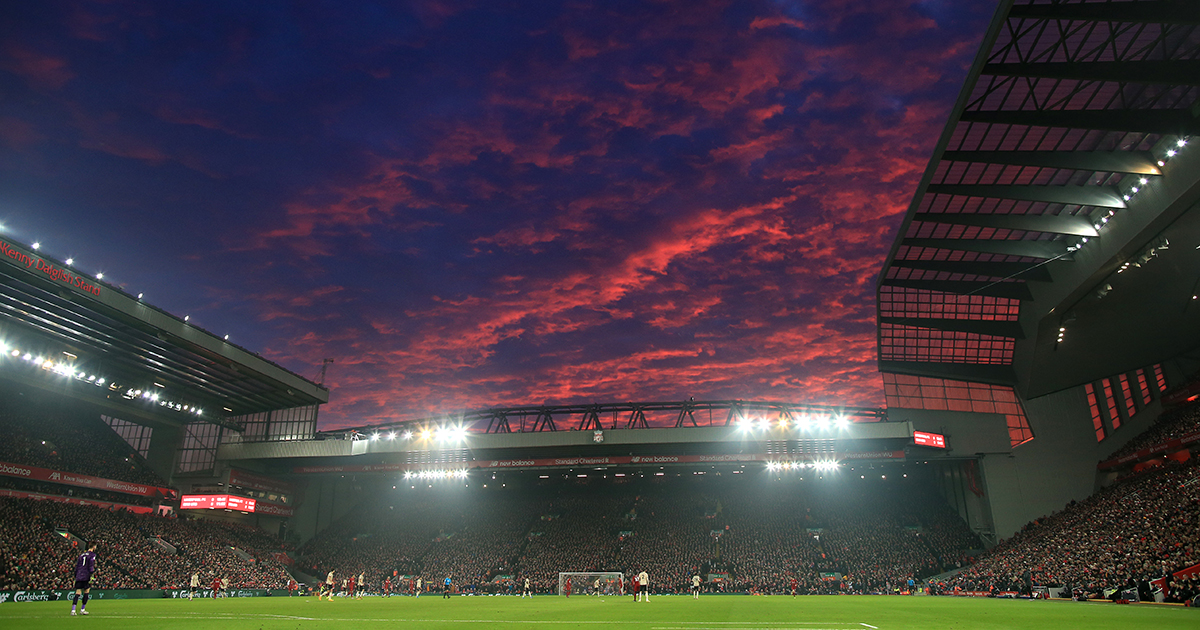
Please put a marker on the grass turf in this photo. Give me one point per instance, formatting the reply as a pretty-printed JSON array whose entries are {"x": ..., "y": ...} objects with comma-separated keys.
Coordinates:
[{"x": 553, "y": 613}]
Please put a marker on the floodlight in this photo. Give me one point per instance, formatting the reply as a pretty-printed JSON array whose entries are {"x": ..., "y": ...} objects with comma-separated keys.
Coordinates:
[
  {"x": 36, "y": 245},
  {"x": 392, "y": 435},
  {"x": 70, "y": 261},
  {"x": 99, "y": 276},
  {"x": 374, "y": 436},
  {"x": 408, "y": 435}
]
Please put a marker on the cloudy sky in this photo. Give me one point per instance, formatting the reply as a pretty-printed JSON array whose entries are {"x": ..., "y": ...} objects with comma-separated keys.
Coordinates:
[{"x": 494, "y": 202}]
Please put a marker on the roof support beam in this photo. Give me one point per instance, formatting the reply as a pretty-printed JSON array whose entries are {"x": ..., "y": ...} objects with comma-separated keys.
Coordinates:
[
  {"x": 1072, "y": 225},
  {"x": 1136, "y": 162},
  {"x": 979, "y": 327},
  {"x": 1021, "y": 271},
  {"x": 1031, "y": 249},
  {"x": 1010, "y": 290},
  {"x": 1169, "y": 72},
  {"x": 994, "y": 374},
  {"x": 1171, "y": 122},
  {"x": 1099, "y": 196},
  {"x": 1159, "y": 12}
]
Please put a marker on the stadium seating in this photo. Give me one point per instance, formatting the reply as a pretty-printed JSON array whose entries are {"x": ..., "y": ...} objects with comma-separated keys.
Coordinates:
[
  {"x": 1139, "y": 528},
  {"x": 1172, "y": 424},
  {"x": 63, "y": 439},
  {"x": 33, "y": 556},
  {"x": 762, "y": 535}
]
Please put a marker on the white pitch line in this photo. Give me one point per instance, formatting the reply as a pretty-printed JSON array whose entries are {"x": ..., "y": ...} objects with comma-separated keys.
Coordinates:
[{"x": 869, "y": 625}]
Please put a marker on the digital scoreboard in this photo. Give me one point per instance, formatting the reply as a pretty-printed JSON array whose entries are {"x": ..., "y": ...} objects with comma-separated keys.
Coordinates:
[
  {"x": 936, "y": 440},
  {"x": 216, "y": 501}
]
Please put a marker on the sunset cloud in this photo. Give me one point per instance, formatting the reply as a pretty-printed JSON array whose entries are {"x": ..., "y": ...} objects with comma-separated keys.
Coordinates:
[{"x": 471, "y": 204}]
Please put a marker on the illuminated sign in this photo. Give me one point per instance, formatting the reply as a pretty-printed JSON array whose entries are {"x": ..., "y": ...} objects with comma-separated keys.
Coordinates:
[
  {"x": 921, "y": 438},
  {"x": 37, "y": 263},
  {"x": 216, "y": 501}
]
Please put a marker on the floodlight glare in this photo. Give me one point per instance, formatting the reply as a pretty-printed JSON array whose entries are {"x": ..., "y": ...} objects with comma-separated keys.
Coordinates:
[
  {"x": 408, "y": 435},
  {"x": 36, "y": 245},
  {"x": 392, "y": 435},
  {"x": 70, "y": 261}
]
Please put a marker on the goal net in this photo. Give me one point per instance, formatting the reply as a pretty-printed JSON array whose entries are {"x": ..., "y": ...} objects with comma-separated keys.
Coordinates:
[{"x": 591, "y": 583}]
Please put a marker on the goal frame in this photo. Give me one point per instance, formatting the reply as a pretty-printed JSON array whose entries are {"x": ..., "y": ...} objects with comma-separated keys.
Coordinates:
[{"x": 611, "y": 582}]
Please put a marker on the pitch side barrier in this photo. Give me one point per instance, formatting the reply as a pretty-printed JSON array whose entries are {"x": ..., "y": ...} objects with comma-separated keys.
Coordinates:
[{"x": 55, "y": 595}]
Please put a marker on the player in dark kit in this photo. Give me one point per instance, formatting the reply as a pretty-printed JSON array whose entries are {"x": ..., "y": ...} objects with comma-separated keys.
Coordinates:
[{"x": 85, "y": 568}]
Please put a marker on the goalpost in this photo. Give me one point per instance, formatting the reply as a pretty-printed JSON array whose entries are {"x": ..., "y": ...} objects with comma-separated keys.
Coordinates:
[{"x": 584, "y": 582}]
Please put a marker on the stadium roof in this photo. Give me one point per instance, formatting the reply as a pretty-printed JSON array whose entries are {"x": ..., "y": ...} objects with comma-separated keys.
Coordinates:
[
  {"x": 145, "y": 359},
  {"x": 1030, "y": 204}
]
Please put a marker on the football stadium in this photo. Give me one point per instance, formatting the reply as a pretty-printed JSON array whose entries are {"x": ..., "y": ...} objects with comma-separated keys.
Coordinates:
[{"x": 1035, "y": 465}]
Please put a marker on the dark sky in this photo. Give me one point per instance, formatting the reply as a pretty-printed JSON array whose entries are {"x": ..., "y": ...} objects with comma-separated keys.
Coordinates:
[{"x": 470, "y": 204}]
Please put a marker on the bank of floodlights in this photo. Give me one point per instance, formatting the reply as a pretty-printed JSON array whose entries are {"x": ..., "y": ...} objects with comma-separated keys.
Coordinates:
[
  {"x": 804, "y": 423},
  {"x": 435, "y": 475},
  {"x": 65, "y": 367},
  {"x": 1132, "y": 188}
]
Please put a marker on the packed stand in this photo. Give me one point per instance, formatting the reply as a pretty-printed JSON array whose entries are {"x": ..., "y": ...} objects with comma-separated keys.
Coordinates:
[
  {"x": 751, "y": 538},
  {"x": 35, "y": 557},
  {"x": 470, "y": 541},
  {"x": 1139, "y": 529},
  {"x": 1170, "y": 425},
  {"x": 579, "y": 532},
  {"x": 68, "y": 440},
  {"x": 671, "y": 540}
]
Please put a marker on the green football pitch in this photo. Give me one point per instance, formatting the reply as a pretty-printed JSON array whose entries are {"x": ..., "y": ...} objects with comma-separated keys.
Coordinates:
[{"x": 730, "y": 612}]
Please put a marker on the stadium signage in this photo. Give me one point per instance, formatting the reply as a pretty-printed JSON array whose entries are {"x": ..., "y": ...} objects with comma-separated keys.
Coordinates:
[
  {"x": 271, "y": 509},
  {"x": 593, "y": 461},
  {"x": 17, "y": 494},
  {"x": 64, "y": 595},
  {"x": 216, "y": 502},
  {"x": 84, "y": 481},
  {"x": 58, "y": 274},
  {"x": 936, "y": 440}
]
